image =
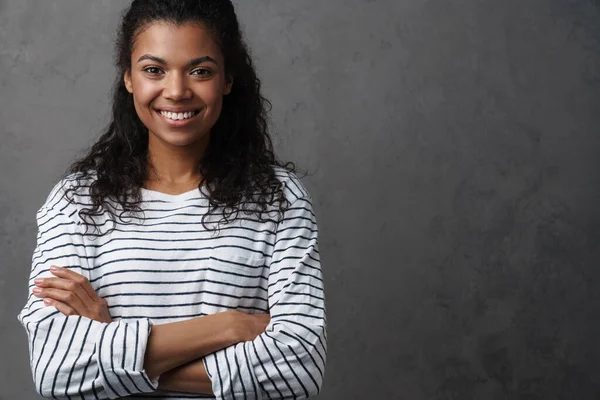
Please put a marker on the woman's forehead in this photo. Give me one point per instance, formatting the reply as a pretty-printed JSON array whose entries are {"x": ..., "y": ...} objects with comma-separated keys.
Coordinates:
[{"x": 174, "y": 42}]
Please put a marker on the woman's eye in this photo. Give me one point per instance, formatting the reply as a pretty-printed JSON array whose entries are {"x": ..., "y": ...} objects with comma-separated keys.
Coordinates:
[
  {"x": 201, "y": 71},
  {"x": 152, "y": 70}
]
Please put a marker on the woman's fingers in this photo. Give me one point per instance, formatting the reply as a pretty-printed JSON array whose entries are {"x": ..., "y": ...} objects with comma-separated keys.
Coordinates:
[
  {"x": 73, "y": 293},
  {"x": 63, "y": 296},
  {"x": 60, "y": 306},
  {"x": 66, "y": 285},
  {"x": 79, "y": 279}
]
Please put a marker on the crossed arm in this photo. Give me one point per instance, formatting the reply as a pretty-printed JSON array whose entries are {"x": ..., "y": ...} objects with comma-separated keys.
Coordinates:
[{"x": 174, "y": 350}]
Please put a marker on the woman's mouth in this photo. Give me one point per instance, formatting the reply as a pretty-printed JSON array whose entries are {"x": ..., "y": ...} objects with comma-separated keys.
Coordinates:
[{"x": 178, "y": 118}]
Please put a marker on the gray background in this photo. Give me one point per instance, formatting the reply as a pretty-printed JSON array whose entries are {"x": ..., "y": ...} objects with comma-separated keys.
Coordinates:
[{"x": 454, "y": 151}]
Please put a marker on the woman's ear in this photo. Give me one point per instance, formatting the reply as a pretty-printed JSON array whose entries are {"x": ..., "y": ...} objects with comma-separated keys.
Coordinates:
[
  {"x": 127, "y": 80},
  {"x": 228, "y": 85}
]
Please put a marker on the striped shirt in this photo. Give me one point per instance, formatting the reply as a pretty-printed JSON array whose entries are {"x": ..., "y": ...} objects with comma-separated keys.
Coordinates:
[{"x": 164, "y": 266}]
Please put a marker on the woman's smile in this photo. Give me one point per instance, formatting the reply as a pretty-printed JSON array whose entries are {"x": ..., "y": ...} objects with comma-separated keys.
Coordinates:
[{"x": 178, "y": 117}]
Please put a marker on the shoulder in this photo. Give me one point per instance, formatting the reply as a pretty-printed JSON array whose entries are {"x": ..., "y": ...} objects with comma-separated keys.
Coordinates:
[
  {"x": 69, "y": 193},
  {"x": 292, "y": 186}
]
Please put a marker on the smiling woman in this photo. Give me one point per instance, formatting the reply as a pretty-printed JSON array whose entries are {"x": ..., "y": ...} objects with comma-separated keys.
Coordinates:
[
  {"x": 178, "y": 84},
  {"x": 134, "y": 290}
]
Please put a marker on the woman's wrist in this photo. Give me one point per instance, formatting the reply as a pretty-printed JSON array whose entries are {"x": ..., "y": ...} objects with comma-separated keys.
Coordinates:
[
  {"x": 175, "y": 344},
  {"x": 189, "y": 378},
  {"x": 232, "y": 331},
  {"x": 246, "y": 327}
]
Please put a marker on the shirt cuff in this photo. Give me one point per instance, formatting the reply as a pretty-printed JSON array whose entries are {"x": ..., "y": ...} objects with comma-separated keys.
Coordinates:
[
  {"x": 121, "y": 350},
  {"x": 230, "y": 371}
]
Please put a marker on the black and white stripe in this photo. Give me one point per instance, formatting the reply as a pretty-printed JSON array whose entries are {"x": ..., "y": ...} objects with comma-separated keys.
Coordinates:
[{"x": 167, "y": 267}]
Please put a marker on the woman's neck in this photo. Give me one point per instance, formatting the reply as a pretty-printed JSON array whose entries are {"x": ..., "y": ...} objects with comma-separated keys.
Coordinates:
[{"x": 173, "y": 166}]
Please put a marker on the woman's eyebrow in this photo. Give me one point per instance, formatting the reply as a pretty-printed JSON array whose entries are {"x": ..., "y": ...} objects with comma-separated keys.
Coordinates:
[
  {"x": 192, "y": 63},
  {"x": 152, "y": 58},
  {"x": 200, "y": 60}
]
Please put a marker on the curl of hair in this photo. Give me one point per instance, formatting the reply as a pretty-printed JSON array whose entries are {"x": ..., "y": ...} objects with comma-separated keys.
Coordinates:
[{"x": 238, "y": 165}]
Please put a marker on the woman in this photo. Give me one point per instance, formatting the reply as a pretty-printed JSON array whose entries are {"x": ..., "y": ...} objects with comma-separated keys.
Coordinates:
[{"x": 178, "y": 255}]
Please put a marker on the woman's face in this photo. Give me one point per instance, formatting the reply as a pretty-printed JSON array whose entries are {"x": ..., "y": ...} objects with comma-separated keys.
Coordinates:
[{"x": 178, "y": 81}]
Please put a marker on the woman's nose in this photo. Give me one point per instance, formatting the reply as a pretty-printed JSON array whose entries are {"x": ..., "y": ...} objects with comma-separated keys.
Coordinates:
[{"x": 176, "y": 87}]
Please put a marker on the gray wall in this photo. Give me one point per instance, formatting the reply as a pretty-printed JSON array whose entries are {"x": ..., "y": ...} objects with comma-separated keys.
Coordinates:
[{"x": 454, "y": 147}]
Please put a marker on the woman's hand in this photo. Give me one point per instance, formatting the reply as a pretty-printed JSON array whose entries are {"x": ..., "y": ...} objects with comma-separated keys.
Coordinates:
[
  {"x": 248, "y": 326},
  {"x": 72, "y": 294}
]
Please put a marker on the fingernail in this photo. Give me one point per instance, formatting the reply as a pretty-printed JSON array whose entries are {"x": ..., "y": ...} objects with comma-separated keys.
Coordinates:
[
  {"x": 38, "y": 281},
  {"x": 47, "y": 301},
  {"x": 53, "y": 268},
  {"x": 36, "y": 290}
]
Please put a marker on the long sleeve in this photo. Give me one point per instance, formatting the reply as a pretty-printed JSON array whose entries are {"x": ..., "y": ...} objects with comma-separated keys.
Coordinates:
[
  {"x": 74, "y": 357},
  {"x": 288, "y": 360}
]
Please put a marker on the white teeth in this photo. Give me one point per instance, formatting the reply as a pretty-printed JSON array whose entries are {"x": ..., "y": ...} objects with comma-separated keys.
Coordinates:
[{"x": 177, "y": 116}]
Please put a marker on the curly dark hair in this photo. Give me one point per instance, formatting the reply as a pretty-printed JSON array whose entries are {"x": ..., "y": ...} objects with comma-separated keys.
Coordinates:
[{"x": 238, "y": 165}]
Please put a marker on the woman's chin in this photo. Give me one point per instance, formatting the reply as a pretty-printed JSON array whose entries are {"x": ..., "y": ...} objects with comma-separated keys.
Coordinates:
[{"x": 179, "y": 138}]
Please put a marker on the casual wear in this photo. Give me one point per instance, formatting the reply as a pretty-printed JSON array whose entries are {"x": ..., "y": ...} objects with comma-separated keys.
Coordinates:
[{"x": 167, "y": 267}]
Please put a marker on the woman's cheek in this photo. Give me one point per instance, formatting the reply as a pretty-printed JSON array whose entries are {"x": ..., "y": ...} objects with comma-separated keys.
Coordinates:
[
  {"x": 209, "y": 93},
  {"x": 147, "y": 92}
]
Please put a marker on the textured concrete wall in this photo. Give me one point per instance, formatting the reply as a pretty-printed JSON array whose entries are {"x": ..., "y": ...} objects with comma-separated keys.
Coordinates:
[{"x": 454, "y": 147}]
